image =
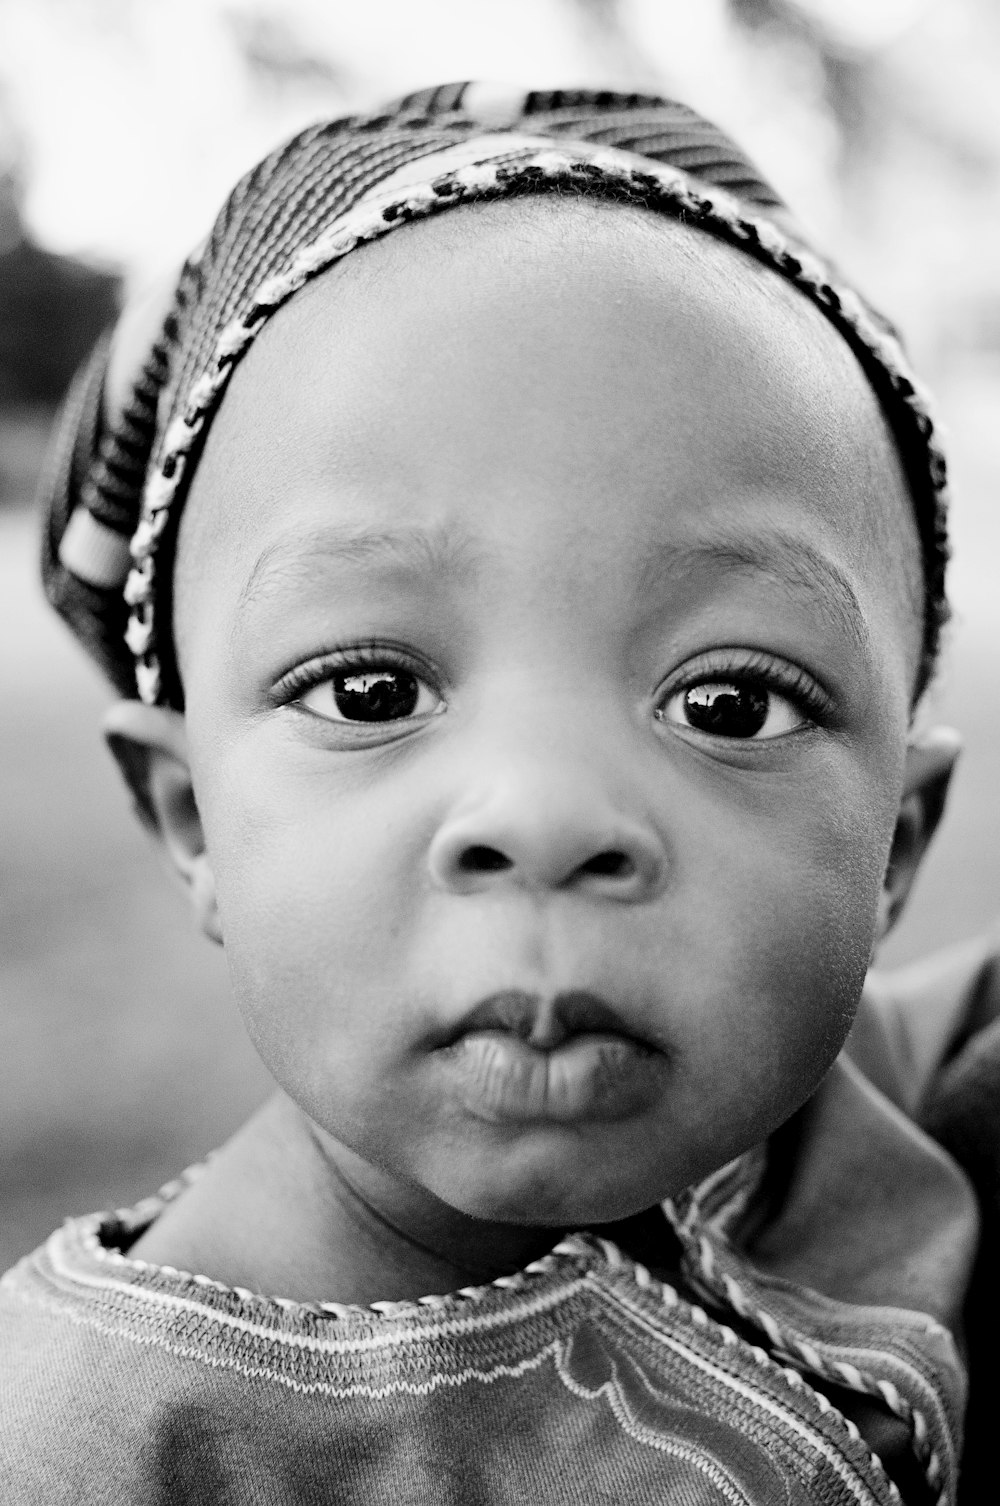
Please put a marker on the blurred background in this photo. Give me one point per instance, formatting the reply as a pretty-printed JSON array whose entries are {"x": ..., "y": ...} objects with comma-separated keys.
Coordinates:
[{"x": 122, "y": 125}]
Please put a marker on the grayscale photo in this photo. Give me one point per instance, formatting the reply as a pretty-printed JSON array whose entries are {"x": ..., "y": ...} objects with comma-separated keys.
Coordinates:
[{"x": 500, "y": 683}]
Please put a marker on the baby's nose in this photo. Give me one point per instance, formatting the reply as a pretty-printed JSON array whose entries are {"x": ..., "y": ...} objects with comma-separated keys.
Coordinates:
[{"x": 547, "y": 835}]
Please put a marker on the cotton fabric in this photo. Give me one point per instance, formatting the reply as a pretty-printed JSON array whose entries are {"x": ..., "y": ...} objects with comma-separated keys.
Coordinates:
[{"x": 826, "y": 1269}]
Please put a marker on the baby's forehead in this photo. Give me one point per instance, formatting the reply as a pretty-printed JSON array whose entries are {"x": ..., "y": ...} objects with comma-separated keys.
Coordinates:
[
  {"x": 619, "y": 330},
  {"x": 508, "y": 351}
]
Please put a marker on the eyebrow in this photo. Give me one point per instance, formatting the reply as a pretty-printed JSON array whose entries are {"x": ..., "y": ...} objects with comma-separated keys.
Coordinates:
[
  {"x": 784, "y": 558},
  {"x": 291, "y": 561}
]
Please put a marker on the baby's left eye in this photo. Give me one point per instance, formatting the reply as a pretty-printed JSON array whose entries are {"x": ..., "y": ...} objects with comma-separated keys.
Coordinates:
[
  {"x": 735, "y": 708},
  {"x": 382, "y": 694}
]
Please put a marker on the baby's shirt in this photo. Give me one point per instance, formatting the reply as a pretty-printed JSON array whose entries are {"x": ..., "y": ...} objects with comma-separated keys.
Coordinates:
[{"x": 824, "y": 1273}]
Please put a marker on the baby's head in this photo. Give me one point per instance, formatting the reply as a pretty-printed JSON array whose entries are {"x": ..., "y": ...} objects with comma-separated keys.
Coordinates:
[{"x": 530, "y": 612}]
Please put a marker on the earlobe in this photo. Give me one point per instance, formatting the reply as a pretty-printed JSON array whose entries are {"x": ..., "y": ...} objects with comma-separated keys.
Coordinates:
[
  {"x": 149, "y": 744},
  {"x": 930, "y": 762}
]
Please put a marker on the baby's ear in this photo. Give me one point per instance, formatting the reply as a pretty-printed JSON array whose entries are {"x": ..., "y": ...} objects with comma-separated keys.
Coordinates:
[
  {"x": 930, "y": 762},
  {"x": 149, "y": 744}
]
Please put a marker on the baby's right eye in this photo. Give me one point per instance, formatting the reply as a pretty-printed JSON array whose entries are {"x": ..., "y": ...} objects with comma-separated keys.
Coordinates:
[{"x": 383, "y": 693}]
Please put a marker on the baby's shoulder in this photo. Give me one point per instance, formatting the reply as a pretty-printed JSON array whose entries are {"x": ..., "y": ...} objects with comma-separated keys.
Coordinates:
[
  {"x": 127, "y": 1382},
  {"x": 89, "y": 1403}
]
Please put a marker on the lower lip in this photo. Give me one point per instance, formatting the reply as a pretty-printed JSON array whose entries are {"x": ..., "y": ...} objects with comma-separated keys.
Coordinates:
[{"x": 589, "y": 1077}]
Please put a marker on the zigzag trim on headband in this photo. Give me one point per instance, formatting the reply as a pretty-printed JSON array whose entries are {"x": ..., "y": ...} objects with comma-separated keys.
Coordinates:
[{"x": 503, "y": 174}]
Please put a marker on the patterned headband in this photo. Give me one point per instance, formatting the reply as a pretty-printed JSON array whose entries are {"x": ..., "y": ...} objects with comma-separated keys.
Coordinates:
[{"x": 115, "y": 500}]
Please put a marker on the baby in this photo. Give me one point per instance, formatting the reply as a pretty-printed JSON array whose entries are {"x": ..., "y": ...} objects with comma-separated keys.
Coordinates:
[{"x": 520, "y": 558}]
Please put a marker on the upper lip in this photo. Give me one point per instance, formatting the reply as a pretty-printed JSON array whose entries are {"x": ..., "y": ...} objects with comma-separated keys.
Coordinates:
[{"x": 545, "y": 1022}]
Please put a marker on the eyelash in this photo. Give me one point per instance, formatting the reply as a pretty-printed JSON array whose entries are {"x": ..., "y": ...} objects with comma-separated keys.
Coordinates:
[
  {"x": 360, "y": 656},
  {"x": 775, "y": 675}
]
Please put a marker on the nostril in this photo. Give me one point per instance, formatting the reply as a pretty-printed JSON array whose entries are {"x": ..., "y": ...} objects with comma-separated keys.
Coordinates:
[
  {"x": 609, "y": 865},
  {"x": 480, "y": 859}
]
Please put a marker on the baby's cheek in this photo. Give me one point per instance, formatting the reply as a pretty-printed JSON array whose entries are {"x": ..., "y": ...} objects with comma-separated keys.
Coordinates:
[
  {"x": 806, "y": 942},
  {"x": 313, "y": 912}
]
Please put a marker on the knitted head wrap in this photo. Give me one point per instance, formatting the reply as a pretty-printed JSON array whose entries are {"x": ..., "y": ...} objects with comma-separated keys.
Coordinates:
[{"x": 114, "y": 498}]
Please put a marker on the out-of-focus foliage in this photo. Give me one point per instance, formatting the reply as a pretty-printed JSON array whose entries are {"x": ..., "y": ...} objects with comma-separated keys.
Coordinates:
[
  {"x": 137, "y": 115},
  {"x": 910, "y": 87},
  {"x": 879, "y": 119},
  {"x": 52, "y": 309}
]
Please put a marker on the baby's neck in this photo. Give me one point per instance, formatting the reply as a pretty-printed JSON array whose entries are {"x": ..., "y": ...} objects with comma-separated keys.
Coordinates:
[{"x": 280, "y": 1212}]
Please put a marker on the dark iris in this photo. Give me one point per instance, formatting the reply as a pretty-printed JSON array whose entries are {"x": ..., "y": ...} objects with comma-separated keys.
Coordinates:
[
  {"x": 726, "y": 709},
  {"x": 376, "y": 695}
]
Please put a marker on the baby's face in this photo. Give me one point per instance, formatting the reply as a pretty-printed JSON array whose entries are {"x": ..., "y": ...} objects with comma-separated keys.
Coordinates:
[{"x": 547, "y": 673}]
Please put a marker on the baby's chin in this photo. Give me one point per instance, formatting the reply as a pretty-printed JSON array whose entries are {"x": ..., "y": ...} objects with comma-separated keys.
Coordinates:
[{"x": 559, "y": 1192}]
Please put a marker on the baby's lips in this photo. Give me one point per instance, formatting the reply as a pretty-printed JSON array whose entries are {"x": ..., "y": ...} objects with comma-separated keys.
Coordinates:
[
  {"x": 590, "y": 1076},
  {"x": 546, "y": 1021}
]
